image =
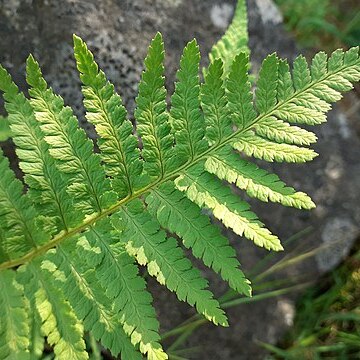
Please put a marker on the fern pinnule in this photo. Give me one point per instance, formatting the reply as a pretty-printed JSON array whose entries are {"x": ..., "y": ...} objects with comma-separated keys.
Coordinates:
[
  {"x": 118, "y": 274},
  {"x": 151, "y": 114},
  {"x": 57, "y": 318},
  {"x": 238, "y": 93},
  {"x": 5, "y": 132},
  {"x": 214, "y": 105},
  {"x": 118, "y": 145},
  {"x": 17, "y": 216},
  {"x": 207, "y": 191},
  {"x": 166, "y": 261},
  {"x": 14, "y": 330},
  {"x": 69, "y": 145},
  {"x": 282, "y": 132},
  {"x": 47, "y": 189},
  {"x": 257, "y": 182},
  {"x": 235, "y": 40},
  {"x": 182, "y": 217},
  {"x": 186, "y": 117}
]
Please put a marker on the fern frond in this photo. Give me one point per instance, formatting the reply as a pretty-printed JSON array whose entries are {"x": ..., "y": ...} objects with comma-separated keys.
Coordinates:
[
  {"x": 17, "y": 216},
  {"x": 315, "y": 88},
  {"x": 117, "y": 274},
  {"x": 59, "y": 323},
  {"x": 256, "y": 182},
  {"x": 213, "y": 104},
  {"x": 187, "y": 119},
  {"x": 5, "y": 131},
  {"x": 281, "y": 132},
  {"x": 235, "y": 40},
  {"x": 14, "y": 329},
  {"x": 69, "y": 145},
  {"x": 254, "y": 145},
  {"x": 266, "y": 84},
  {"x": 166, "y": 261},
  {"x": 88, "y": 300},
  {"x": 151, "y": 114},
  {"x": 119, "y": 147},
  {"x": 238, "y": 92},
  {"x": 178, "y": 214},
  {"x": 46, "y": 184},
  {"x": 36, "y": 338},
  {"x": 301, "y": 73},
  {"x": 205, "y": 190},
  {"x": 74, "y": 232}
]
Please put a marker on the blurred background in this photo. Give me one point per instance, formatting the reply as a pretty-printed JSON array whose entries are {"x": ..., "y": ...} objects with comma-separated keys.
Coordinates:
[
  {"x": 307, "y": 300},
  {"x": 324, "y": 24}
]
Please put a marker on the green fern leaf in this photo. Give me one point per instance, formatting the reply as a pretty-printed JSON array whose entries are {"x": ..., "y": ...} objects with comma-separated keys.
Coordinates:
[
  {"x": 176, "y": 213},
  {"x": 213, "y": 103},
  {"x": 17, "y": 216},
  {"x": 187, "y": 119},
  {"x": 5, "y": 131},
  {"x": 118, "y": 145},
  {"x": 14, "y": 329},
  {"x": 69, "y": 145},
  {"x": 117, "y": 273},
  {"x": 87, "y": 298},
  {"x": 37, "y": 341},
  {"x": 319, "y": 66},
  {"x": 281, "y": 132},
  {"x": 151, "y": 114},
  {"x": 238, "y": 91},
  {"x": 267, "y": 84},
  {"x": 47, "y": 188},
  {"x": 298, "y": 114},
  {"x": 254, "y": 145},
  {"x": 203, "y": 189},
  {"x": 4, "y": 257},
  {"x": 166, "y": 261},
  {"x": 311, "y": 102},
  {"x": 256, "y": 182},
  {"x": 83, "y": 218},
  {"x": 235, "y": 39},
  {"x": 59, "y": 323},
  {"x": 301, "y": 73},
  {"x": 285, "y": 87}
]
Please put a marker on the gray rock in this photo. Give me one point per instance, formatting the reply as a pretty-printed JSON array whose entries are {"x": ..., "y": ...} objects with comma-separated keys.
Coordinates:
[
  {"x": 221, "y": 15},
  {"x": 338, "y": 236},
  {"x": 269, "y": 12},
  {"x": 119, "y": 31}
]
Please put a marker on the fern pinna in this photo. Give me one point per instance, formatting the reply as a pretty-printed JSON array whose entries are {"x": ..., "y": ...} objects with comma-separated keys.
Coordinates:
[{"x": 70, "y": 243}]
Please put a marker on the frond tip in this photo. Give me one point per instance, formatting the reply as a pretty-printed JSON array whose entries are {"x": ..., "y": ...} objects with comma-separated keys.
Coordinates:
[
  {"x": 235, "y": 39},
  {"x": 70, "y": 240}
]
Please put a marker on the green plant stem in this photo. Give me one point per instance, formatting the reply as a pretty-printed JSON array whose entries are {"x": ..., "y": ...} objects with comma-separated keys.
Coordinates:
[
  {"x": 260, "y": 265},
  {"x": 176, "y": 357},
  {"x": 284, "y": 263},
  {"x": 184, "y": 327},
  {"x": 264, "y": 296},
  {"x": 197, "y": 320},
  {"x": 181, "y": 339}
]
